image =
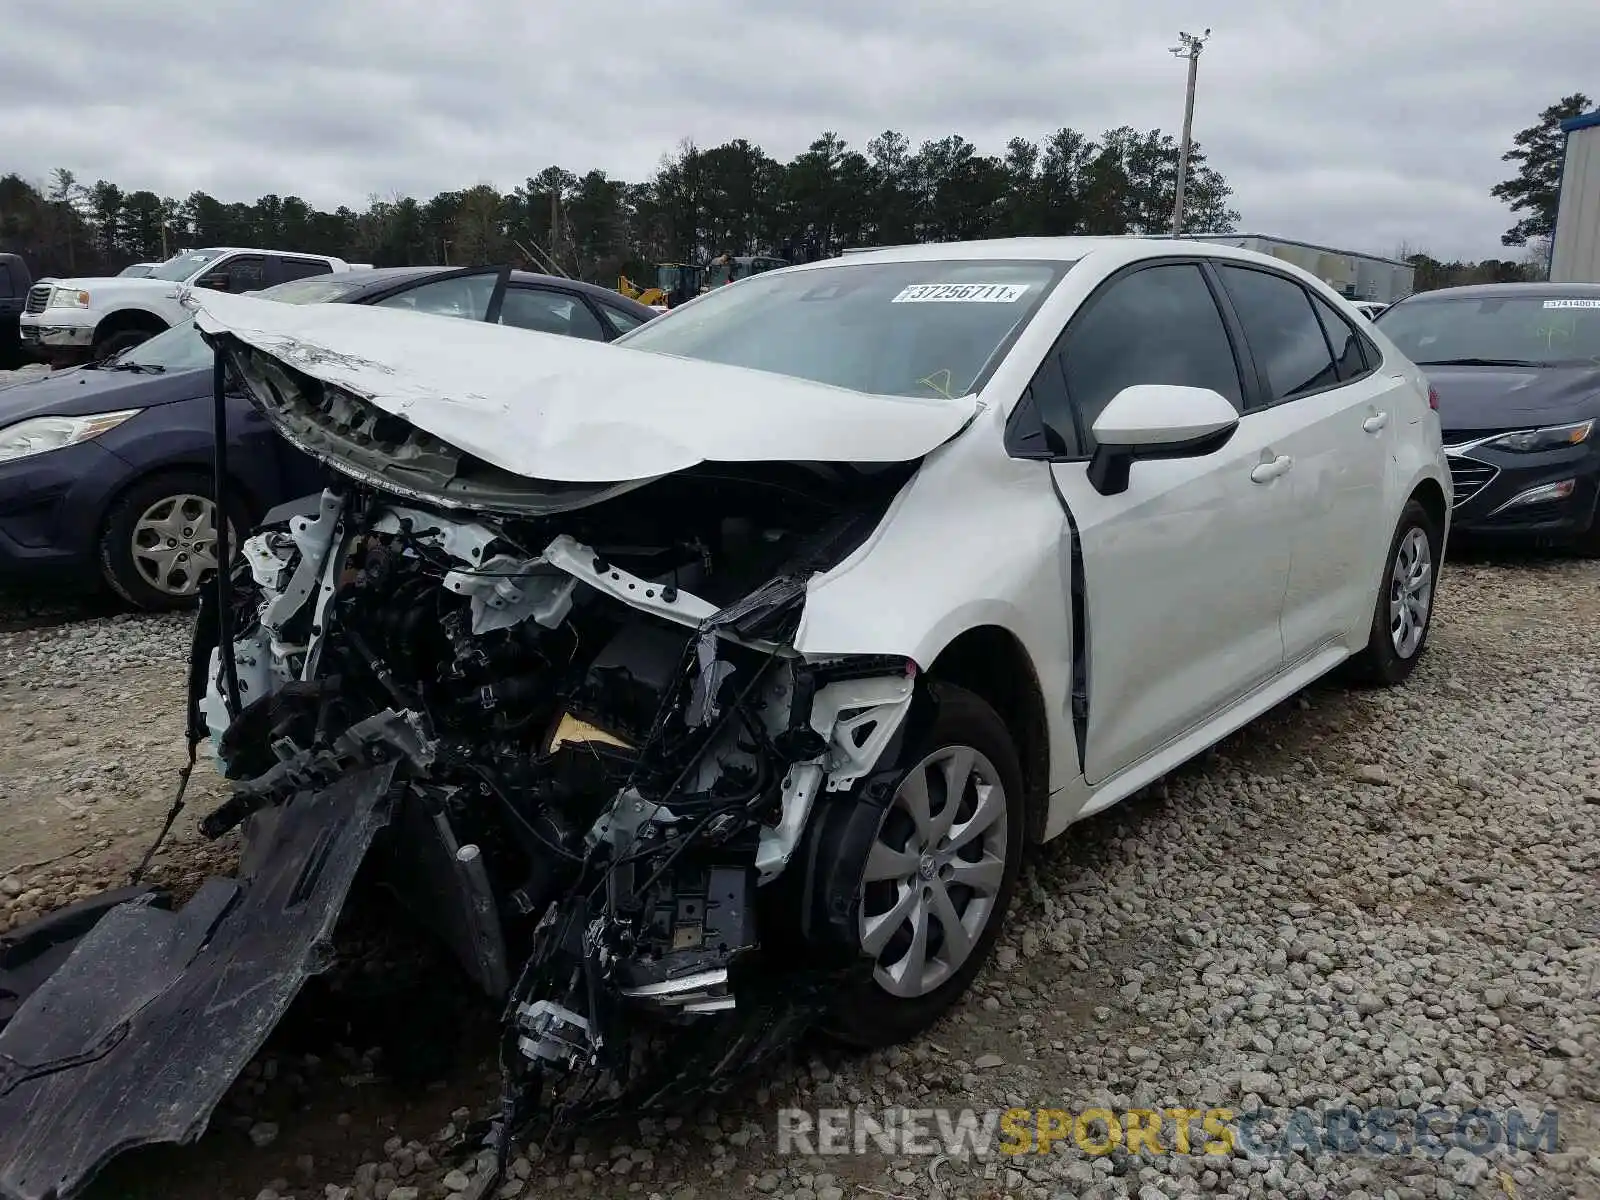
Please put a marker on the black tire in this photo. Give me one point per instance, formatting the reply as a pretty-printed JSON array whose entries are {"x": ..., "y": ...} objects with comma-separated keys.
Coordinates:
[
  {"x": 1381, "y": 662},
  {"x": 868, "y": 1016},
  {"x": 117, "y": 559},
  {"x": 112, "y": 344}
]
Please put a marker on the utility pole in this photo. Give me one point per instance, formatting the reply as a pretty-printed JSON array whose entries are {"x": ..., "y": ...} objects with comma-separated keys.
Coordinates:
[
  {"x": 1189, "y": 47},
  {"x": 555, "y": 220}
]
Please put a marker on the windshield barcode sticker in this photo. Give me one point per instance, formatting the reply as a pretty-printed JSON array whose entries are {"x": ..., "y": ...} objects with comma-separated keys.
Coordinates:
[
  {"x": 961, "y": 293},
  {"x": 1572, "y": 303}
]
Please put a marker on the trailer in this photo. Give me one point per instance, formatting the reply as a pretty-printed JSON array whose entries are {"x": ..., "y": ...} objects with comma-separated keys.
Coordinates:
[
  {"x": 1352, "y": 274},
  {"x": 1575, "y": 247}
]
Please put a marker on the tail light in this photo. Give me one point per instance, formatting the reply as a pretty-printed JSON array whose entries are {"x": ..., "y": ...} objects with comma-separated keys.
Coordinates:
[{"x": 1433, "y": 397}]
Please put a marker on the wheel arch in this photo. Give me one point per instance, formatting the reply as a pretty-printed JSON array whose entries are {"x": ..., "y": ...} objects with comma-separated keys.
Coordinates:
[
  {"x": 1430, "y": 495},
  {"x": 991, "y": 662},
  {"x": 123, "y": 319}
]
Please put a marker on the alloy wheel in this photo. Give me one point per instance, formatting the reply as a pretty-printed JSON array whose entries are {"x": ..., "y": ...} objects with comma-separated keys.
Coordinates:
[
  {"x": 175, "y": 543},
  {"x": 1410, "y": 592},
  {"x": 934, "y": 871}
]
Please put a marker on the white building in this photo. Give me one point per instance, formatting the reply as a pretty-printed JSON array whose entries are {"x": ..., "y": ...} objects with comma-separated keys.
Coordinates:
[
  {"x": 1575, "y": 249},
  {"x": 1352, "y": 274}
]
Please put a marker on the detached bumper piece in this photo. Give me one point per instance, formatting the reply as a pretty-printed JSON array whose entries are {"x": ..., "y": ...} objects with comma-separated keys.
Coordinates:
[{"x": 137, "y": 1034}]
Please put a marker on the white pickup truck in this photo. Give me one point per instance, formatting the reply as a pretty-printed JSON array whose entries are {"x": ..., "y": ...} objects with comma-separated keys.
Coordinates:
[{"x": 70, "y": 320}]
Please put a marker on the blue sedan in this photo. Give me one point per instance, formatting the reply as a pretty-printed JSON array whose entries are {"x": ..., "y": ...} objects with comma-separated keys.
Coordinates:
[{"x": 105, "y": 471}]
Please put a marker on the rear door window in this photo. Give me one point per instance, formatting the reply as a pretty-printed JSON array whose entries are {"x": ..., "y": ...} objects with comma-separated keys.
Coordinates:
[
  {"x": 301, "y": 268},
  {"x": 1283, "y": 331},
  {"x": 1344, "y": 339},
  {"x": 550, "y": 312},
  {"x": 619, "y": 321}
]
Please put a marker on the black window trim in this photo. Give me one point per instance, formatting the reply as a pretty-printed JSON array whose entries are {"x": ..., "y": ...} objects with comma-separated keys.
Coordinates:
[
  {"x": 1025, "y": 421},
  {"x": 1264, "y": 398}
]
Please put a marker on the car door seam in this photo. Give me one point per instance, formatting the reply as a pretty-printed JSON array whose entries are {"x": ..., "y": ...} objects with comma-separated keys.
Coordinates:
[{"x": 1078, "y": 623}]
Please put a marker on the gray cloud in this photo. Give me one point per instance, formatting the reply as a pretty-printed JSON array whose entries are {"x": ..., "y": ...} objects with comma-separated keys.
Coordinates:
[{"x": 1350, "y": 122}]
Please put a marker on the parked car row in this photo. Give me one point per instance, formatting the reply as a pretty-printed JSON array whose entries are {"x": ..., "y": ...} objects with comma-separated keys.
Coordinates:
[
  {"x": 68, "y": 321},
  {"x": 105, "y": 470},
  {"x": 1515, "y": 368}
]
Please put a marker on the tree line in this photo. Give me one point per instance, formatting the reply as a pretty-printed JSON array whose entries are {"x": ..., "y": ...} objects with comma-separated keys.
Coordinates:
[
  {"x": 733, "y": 198},
  {"x": 736, "y": 198}
]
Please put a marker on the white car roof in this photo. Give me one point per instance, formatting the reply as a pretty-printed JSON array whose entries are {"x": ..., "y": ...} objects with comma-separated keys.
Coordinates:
[
  {"x": 257, "y": 250},
  {"x": 1111, "y": 251},
  {"x": 1056, "y": 249}
]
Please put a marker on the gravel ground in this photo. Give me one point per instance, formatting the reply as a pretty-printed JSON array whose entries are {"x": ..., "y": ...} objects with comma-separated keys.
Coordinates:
[{"x": 1373, "y": 898}]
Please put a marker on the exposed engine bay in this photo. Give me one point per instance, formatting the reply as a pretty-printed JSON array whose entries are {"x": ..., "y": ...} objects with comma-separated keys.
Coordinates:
[
  {"x": 611, "y": 757},
  {"x": 581, "y": 750}
]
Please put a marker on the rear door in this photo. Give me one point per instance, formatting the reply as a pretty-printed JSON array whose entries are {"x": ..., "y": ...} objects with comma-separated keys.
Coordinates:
[
  {"x": 1336, "y": 418},
  {"x": 550, "y": 310},
  {"x": 1184, "y": 572}
]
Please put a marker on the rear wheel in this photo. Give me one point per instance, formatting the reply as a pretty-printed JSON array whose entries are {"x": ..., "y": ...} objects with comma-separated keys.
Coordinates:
[
  {"x": 1403, "y": 614},
  {"x": 939, "y": 875},
  {"x": 160, "y": 539}
]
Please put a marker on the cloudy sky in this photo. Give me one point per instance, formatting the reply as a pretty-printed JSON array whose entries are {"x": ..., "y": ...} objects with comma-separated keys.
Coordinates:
[{"x": 1363, "y": 124}]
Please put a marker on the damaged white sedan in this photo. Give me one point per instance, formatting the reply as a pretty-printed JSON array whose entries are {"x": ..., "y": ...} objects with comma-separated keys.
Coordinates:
[{"x": 707, "y": 686}]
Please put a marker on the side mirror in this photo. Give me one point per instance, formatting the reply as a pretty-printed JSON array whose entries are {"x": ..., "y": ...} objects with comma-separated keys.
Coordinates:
[{"x": 1153, "y": 420}]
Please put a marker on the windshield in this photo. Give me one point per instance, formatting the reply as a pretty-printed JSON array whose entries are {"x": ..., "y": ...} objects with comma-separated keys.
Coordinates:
[
  {"x": 898, "y": 329},
  {"x": 1541, "y": 330},
  {"x": 669, "y": 277},
  {"x": 137, "y": 271},
  {"x": 181, "y": 348},
  {"x": 180, "y": 266}
]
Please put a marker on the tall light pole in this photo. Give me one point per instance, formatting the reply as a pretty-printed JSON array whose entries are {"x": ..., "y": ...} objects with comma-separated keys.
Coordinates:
[{"x": 1189, "y": 47}]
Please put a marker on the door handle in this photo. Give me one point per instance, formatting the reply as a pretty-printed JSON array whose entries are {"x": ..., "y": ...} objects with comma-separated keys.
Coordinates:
[
  {"x": 1268, "y": 471},
  {"x": 1375, "y": 422}
]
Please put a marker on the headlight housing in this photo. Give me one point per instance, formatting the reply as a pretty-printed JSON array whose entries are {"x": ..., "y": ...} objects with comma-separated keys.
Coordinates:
[
  {"x": 38, "y": 435},
  {"x": 68, "y": 298},
  {"x": 1551, "y": 437}
]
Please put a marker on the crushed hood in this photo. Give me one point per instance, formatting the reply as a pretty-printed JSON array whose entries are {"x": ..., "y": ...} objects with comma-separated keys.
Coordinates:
[{"x": 547, "y": 407}]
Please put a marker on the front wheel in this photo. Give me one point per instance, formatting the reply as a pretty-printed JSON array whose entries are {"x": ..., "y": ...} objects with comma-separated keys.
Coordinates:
[
  {"x": 1403, "y": 614},
  {"x": 160, "y": 539},
  {"x": 939, "y": 875}
]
